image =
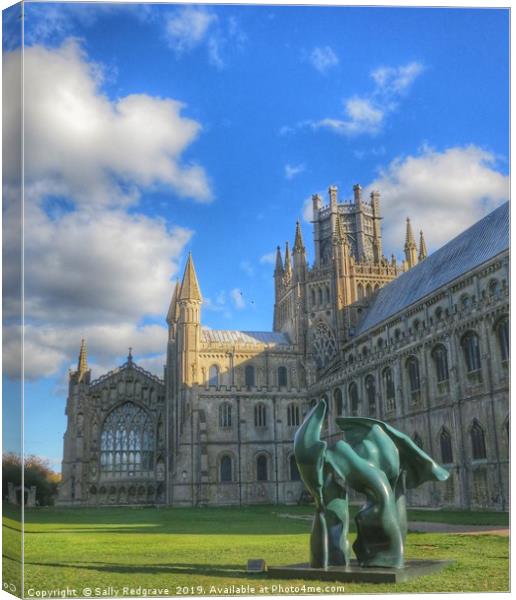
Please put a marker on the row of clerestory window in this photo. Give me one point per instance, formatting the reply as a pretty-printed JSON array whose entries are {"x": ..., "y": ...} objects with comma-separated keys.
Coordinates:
[
  {"x": 249, "y": 376},
  {"x": 260, "y": 415},
  {"x": 477, "y": 441},
  {"x": 470, "y": 345},
  {"x": 262, "y": 468}
]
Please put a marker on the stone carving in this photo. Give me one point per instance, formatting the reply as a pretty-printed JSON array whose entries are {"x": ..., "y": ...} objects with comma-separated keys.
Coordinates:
[{"x": 376, "y": 460}]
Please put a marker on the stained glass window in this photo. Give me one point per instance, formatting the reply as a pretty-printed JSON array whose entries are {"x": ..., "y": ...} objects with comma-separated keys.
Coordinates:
[{"x": 127, "y": 441}]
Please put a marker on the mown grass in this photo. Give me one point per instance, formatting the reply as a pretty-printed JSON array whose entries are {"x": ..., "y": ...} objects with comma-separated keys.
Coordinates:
[{"x": 172, "y": 548}]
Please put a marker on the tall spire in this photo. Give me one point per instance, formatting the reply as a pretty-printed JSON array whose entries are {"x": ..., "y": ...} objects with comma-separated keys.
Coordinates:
[
  {"x": 288, "y": 262},
  {"x": 279, "y": 262},
  {"x": 190, "y": 286},
  {"x": 422, "y": 246},
  {"x": 173, "y": 309},
  {"x": 82, "y": 363},
  {"x": 410, "y": 246},
  {"x": 298, "y": 242}
]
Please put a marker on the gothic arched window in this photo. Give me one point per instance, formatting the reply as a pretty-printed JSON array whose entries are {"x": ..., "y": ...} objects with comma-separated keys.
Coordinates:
[
  {"x": 327, "y": 295},
  {"x": 471, "y": 349},
  {"x": 226, "y": 468},
  {"x": 446, "y": 446},
  {"x": 249, "y": 376},
  {"x": 360, "y": 291},
  {"x": 127, "y": 441},
  {"x": 440, "y": 359},
  {"x": 370, "y": 388},
  {"x": 225, "y": 415},
  {"x": 412, "y": 365},
  {"x": 353, "y": 396},
  {"x": 294, "y": 471},
  {"x": 502, "y": 332},
  {"x": 337, "y": 402},
  {"x": 293, "y": 415},
  {"x": 324, "y": 345},
  {"x": 313, "y": 297},
  {"x": 260, "y": 415},
  {"x": 213, "y": 376},
  {"x": 261, "y": 468},
  {"x": 390, "y": 391},
  {"x": 282, "y": 377},
  {"x": 478, "y": 441},
  {"x": 320, "y": 295}
]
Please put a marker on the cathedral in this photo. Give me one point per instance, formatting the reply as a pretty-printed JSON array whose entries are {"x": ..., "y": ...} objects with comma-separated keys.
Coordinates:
[{"x": 422, "y": 344}]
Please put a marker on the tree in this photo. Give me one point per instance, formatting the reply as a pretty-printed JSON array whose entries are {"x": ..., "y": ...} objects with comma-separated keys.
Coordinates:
[{"x": 37, "y": 471}]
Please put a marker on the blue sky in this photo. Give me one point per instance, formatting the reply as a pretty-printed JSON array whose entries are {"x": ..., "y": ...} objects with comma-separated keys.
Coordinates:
[{"x": 156, "y": 130}]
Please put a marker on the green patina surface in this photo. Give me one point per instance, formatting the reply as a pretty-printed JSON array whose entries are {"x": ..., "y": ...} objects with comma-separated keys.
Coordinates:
[{"x": 189, "y": 547}]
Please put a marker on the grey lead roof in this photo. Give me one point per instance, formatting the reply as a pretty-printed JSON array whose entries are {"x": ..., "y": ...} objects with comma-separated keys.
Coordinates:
[
  {"x": 226, "y": 336},
  {"x": 478, "y": 244}
]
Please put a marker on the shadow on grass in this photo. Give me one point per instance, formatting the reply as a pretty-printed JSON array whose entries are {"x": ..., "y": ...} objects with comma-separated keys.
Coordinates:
[{"x": 233, "y": 571}]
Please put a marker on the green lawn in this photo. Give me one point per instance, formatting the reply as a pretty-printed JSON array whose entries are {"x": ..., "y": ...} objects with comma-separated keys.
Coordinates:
[{"x": 190, "y": 547}]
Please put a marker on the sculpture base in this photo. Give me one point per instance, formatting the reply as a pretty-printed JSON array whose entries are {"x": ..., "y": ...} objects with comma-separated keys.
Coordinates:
[{"x": 357, "y": 574}]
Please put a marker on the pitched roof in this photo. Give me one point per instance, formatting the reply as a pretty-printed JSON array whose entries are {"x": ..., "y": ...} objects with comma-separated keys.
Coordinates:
[
  {"x": 227, "y": 336},
  {"x": 481, "y": 242}
]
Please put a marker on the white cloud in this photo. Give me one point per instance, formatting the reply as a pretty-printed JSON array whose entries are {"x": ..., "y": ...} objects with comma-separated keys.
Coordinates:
[
  {"x": 323, "y": 58},
  {"x": 434, "y": 189},
  {"x": 367, "y": 114},
  {"x": 308, "y": 210},
  {"x": 122, "y": 146},
  {"x": 237, "y": 297},
  {"x": 362, "y": 117},
  {"x": 190, "y": 27},
  {"x": 93, "y": 269},
  {"x": 396, "y": 80},
  {"x": 187, "y": 27},
  {"x": 247, "y": 268},
  {"x": 268, "y": 259},
  {"x": 292, "y": 170}
]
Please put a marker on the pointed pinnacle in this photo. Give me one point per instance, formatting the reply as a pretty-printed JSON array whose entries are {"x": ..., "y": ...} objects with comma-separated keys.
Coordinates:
[
  {"x": 279, "y": 261},
  {"x": 173, "y": 309},
  {"x": 288, "y": 260},
  {"x": 410, "y": 242},
  {"x": 190, "y": 286},
  {"x": 298, "y": 242},
  {"x": 82, "y": 364},
  {"x": 422, "y": 246}
]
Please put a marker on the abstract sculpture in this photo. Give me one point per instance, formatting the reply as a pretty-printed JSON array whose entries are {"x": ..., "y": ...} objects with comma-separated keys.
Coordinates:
[{"x": 376, "y": 460}]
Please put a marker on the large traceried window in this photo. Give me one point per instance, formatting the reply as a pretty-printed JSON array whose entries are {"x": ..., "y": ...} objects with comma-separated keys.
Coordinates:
[
  {"x": 324, "y": 345},
  {"x": 127, "y": 442}
]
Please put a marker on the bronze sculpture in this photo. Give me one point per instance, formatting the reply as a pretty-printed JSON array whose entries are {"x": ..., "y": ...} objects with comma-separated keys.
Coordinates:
[{"x": 376, "y": 460}]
